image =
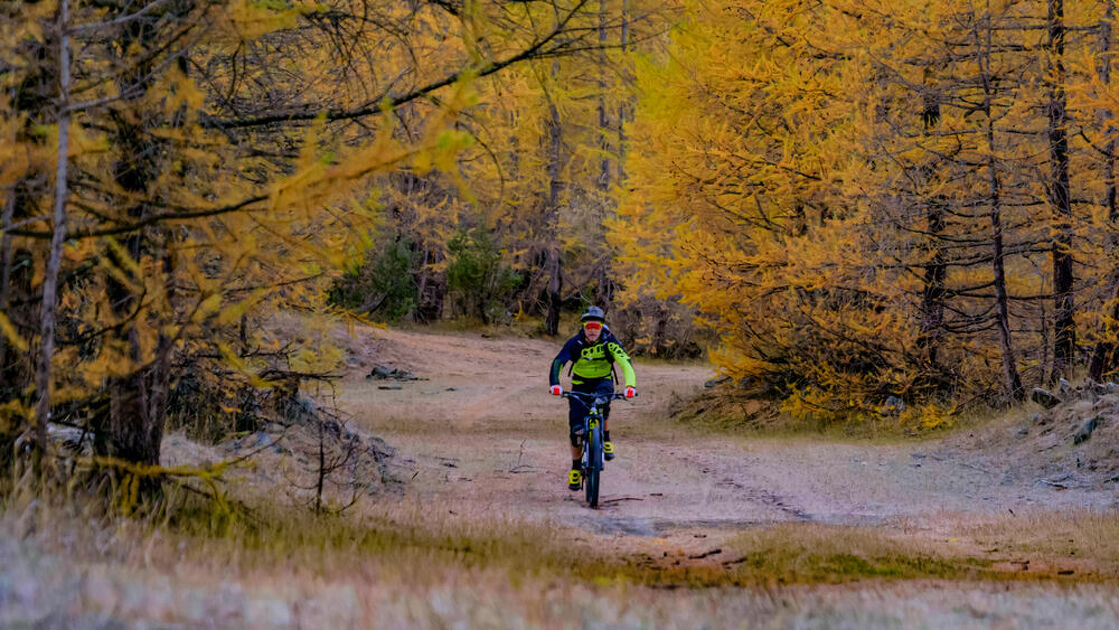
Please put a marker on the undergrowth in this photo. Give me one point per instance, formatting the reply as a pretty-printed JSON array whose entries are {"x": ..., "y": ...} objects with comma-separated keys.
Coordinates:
[
  {"x": 721, "y": 412},
  {"x": 412, "y": 544}
]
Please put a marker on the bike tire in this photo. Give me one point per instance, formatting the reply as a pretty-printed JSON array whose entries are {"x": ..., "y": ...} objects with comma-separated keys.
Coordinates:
[{"x": 594, "y": 466}]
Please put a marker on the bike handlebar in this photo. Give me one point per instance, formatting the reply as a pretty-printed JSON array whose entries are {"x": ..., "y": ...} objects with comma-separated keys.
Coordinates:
[{"x": 592, "y": 397}]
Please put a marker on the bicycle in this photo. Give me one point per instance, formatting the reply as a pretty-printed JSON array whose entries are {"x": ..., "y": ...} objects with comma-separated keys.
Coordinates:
[{"x": 593, "y": 457}]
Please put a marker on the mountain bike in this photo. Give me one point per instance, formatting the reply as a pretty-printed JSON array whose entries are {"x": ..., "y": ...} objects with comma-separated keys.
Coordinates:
[{"x": 593, "y": 457}]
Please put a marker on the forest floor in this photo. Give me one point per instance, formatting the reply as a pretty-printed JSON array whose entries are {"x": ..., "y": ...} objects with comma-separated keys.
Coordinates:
[{"x": 983, "y": 527}]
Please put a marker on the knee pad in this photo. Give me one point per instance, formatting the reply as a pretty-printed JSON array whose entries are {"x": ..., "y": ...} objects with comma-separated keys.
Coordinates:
[{"x": 576, "y": 436}]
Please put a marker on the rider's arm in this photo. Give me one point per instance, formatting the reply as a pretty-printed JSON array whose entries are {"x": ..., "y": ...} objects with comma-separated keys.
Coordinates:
[
  {"x": 622, "y": 359},
  {"x": 557, "y": 364}
]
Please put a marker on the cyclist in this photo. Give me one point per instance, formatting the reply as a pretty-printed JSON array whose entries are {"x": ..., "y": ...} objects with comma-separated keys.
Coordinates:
[{"x": 594, "y": 352}]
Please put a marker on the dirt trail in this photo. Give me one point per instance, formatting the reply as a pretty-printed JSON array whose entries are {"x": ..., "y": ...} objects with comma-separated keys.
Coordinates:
[{"x": 482, "y": 436}]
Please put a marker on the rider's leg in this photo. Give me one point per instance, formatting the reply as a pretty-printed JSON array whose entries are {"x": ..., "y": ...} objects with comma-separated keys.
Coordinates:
[
  {"x": 575, "y": 475},
  {"x": 576, "y": 411},
  {"x": 606, "y": 388}
]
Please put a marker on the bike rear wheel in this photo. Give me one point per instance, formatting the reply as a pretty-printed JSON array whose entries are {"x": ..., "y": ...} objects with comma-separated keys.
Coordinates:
[{"x": 594, "y": 466}]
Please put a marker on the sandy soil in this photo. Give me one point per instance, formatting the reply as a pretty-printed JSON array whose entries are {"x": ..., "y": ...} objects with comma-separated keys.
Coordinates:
[{"x": 483, "y": 436}]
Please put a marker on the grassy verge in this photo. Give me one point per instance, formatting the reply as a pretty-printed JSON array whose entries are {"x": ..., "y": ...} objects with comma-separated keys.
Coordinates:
[
  {"x": 413, "y": 543},
  {"x": 410, "y": 542},
  {"x": 404, "y": 566}
]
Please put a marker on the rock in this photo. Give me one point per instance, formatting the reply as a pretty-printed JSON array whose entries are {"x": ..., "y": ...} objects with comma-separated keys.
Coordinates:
[
  {"x": 717, "y": 381},
  {"x": 71, "y": 438},
  {"x": 1063, "y": 387},
  {"x": 1086, "y": 429},
  {"x": 1036, "y": 418},
  {"x": 380, "y": 372},
  {"x": 1110, "y": 387},
  {"x": 1023, "y": 432},
  {"x": 1044, "y": 398},
  {"x": 390, "y": 387}
]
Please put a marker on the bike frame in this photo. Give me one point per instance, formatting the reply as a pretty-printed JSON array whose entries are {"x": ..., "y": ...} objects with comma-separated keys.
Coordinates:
[{"x": 593, "y": 456}]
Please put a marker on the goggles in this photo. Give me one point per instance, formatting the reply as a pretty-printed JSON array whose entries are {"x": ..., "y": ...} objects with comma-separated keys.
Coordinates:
[{"x": 592, "y": 325}]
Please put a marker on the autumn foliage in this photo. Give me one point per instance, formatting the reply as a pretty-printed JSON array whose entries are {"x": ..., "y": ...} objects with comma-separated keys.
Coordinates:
[
  {"x": 862, "y": 201},
  {"x": 872, "y": 199},
  {"x": 176, "y": 173}
]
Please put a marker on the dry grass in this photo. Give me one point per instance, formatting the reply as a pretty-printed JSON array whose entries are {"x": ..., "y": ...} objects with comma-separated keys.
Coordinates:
[
  {"x": 445, "y": 556},
  {"x": 405, "y": 566}
]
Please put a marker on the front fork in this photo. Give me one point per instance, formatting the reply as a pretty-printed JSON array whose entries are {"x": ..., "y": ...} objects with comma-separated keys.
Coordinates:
[{"x": 586, "y": 444}]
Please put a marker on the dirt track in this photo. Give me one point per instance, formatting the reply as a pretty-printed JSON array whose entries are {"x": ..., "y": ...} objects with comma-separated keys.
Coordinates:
[
  {"x": 482, "y": 436},
  {"x": 481, "y": 440}
]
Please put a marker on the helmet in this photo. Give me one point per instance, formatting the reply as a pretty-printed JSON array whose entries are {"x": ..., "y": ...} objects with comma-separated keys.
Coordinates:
[{"x": 592, "y": 312}]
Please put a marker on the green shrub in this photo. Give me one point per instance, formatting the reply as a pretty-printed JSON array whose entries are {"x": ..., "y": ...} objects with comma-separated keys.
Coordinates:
[
  {"x": 478, "y": 281},
  {"x": 384, "y": 286}
]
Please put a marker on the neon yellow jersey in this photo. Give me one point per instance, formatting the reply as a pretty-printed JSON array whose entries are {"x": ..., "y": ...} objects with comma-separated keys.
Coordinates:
[{"x": 593, "y": 360}]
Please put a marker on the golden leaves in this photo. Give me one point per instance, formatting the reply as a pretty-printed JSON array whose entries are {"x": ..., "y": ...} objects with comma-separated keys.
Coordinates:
[{"x": 9, "y": 332}]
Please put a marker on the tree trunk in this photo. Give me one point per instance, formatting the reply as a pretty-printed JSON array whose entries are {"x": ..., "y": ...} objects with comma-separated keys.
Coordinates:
[
  {"x": 936, "y": 269},
  {"x": 1012, "y": 381},
  {"x": 552, "y": 265},
  {"x": 933, "y": 291},
  {"x": 1103, "y": 355},
  {"x": 431, "y": 288},
  {"x": 5, "y": 274},
  {"x": 1011, "y": 378},
  {"x": 605, "y": 167},
  {"x": 1105, "y": 28},
  {"x": 604, "y": 285},
  {"x": 138, "y": 400},
  {"x": 623, "y": 102},
  {"x": 33, "y": 101},
  {"x": 1064, "y": 324},
  {"x": 49, "y": 303}
]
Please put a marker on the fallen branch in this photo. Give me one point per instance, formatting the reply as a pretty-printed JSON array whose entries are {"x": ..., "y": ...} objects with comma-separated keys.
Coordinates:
[
  {"x": 706, "y": 554},
  {"x": 620, "y": 499}
]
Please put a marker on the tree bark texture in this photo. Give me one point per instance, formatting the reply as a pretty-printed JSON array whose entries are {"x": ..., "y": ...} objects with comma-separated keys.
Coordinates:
[
  {"x": 623, "y": 103},
  {"x": 1012, "y": 381},
  {"x": 36, "y": 99},
  {"x": 605, "y": 166},
  {"x": 5, "y": 280},
  {"x": 553, "y": 267},
  {"x": 48, "y": 306},
  {"x": 1103, "y": 360},
  {"x": 1064, "y": 324},
  {"x": 138, "y": 400},
  {"x": 933, "y": 290},
  {"x": 431, "y": 288}
]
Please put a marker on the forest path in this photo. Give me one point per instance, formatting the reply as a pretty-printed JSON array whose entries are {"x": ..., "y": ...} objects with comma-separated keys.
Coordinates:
[{"x": 482, "y": 437}]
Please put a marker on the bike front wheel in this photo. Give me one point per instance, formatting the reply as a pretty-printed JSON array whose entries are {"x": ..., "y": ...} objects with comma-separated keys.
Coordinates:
[{"x": 594, "y": 466}]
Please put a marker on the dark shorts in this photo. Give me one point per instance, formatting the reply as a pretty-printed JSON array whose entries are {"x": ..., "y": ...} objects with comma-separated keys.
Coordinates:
[{"x": 577, "y": 409}]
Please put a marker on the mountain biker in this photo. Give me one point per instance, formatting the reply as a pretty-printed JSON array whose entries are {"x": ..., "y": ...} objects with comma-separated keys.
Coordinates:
[{"x": 595, "y": 351}]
